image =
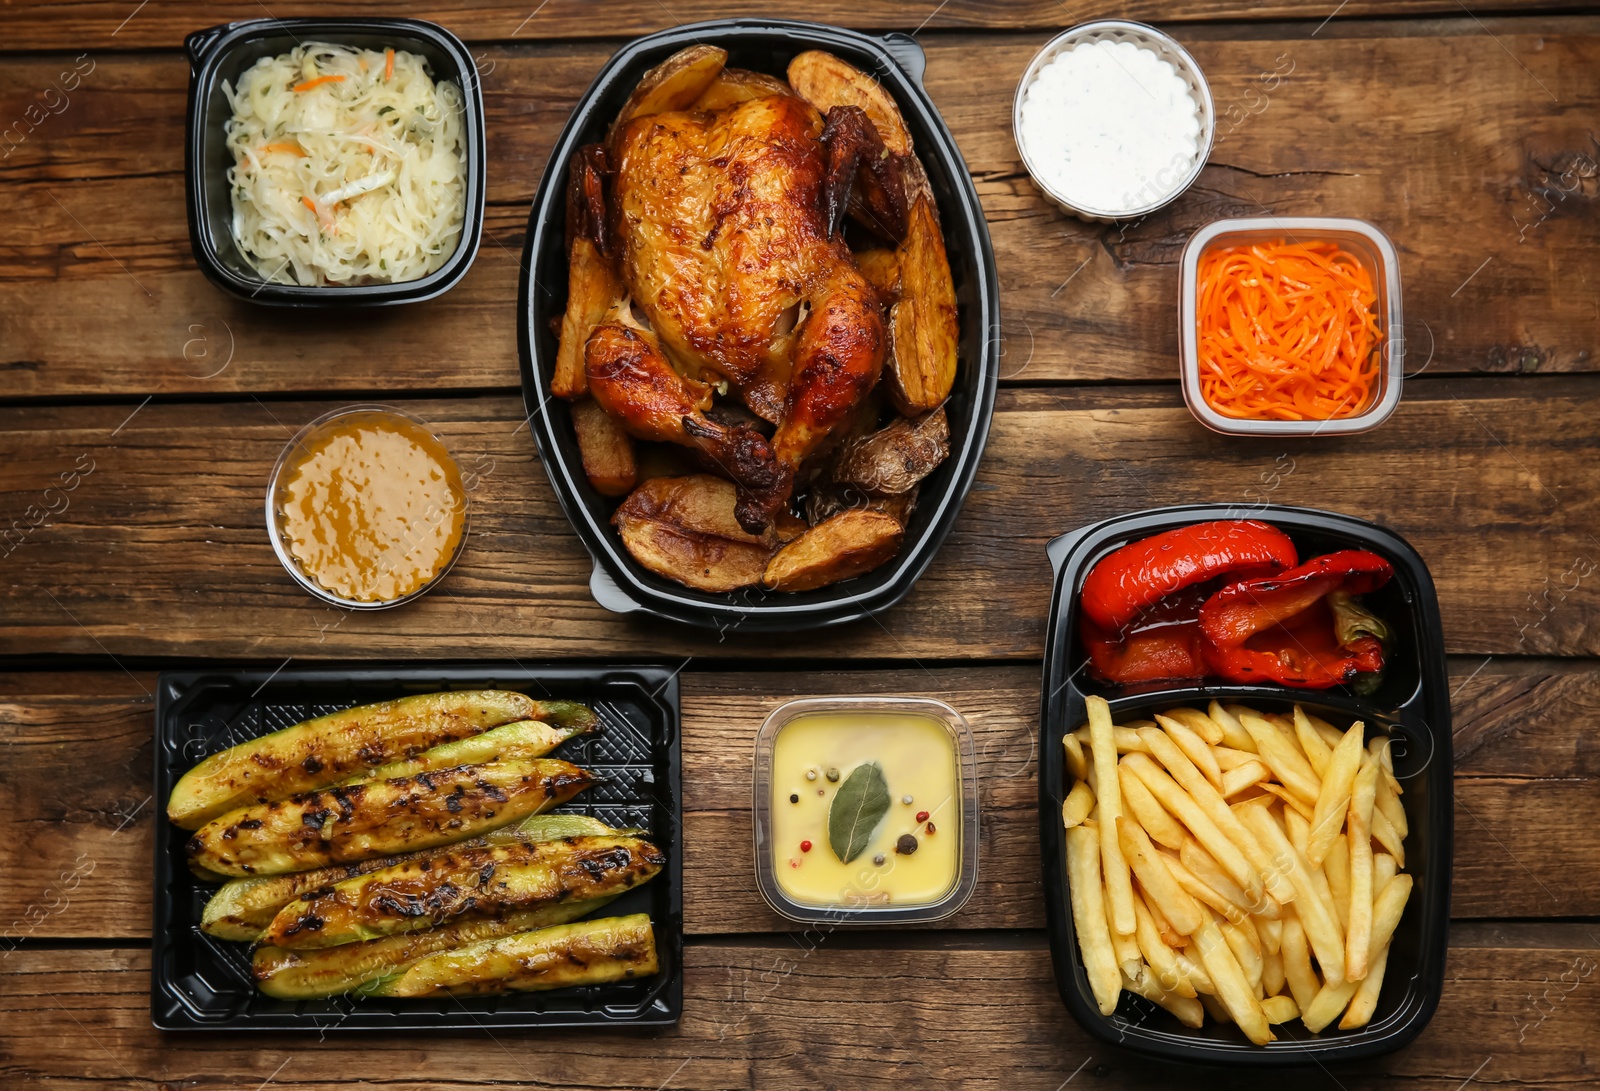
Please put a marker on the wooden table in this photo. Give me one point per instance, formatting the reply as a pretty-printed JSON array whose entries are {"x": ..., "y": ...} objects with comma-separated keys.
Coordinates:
[{"x": 1470, "y": 138}]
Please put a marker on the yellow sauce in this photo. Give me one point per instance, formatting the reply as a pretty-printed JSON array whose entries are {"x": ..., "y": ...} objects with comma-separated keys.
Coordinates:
[
  {"x": 918, "y": 759},
  {"x": 371, "y": 506}
]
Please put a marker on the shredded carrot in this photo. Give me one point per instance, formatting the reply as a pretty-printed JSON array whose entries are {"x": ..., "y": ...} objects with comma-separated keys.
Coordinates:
[
  {"x": 1287, "y": 331},
  {"x": 312, "y": 205},
  {"x": 388, "y": 64},
  {"x": 318, "y": 82},
  {"x": 292, "y": 149}
]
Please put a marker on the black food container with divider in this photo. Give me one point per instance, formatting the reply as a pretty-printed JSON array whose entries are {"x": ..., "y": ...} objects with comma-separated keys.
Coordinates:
[
  {"x": 621, "y": 584},
  {"x": 1411, "y": 704}
]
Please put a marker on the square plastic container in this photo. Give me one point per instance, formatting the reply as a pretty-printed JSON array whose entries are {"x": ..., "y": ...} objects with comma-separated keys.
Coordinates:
[
  {"x": 1363, "y": 240},
  {"x": 1412, "y": 706},
  {"x": 224, "y": 53},
  {"x": 199, "y": 982},
  {"x": 966, "y": 879}
]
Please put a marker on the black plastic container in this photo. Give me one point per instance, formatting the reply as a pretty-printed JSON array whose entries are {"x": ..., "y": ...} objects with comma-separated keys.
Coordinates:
[
  {"x": 199, "y": 982},
  {"x": 223, "y": 53},
  {"x": 621, "y": 584},
  {"x": 1412, "y": 705}
]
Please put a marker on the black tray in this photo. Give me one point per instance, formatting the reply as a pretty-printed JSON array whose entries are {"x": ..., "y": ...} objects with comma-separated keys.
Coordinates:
[
  {"x": 202, "y": 983},
  {"x": 621, "y": 584},
  {"x": 223, "y": 53},
  {"x": 1412, "y": 705}
]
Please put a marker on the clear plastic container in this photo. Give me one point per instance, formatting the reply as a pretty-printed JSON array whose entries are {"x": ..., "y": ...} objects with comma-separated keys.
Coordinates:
[
  {"x": 963, "y": 826},
  {"x": 1362, "y": 239},
  {"x": 275, "y": 526}
]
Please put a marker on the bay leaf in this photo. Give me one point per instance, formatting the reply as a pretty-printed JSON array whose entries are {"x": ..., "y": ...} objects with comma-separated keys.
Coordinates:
[{"x": 857, "y": 808}]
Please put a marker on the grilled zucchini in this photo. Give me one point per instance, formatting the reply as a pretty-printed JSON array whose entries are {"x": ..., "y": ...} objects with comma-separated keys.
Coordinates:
[
  {"x": 357, "y": 821},
  {"x": 360, "y": 967},
  {"x": 582, "y": 953},
  {"x": 520, "y": 741},
  {"x": 332, "y": 748},
  {"x": 243, "y": 907},
  {"x": 487, "y": 881}
]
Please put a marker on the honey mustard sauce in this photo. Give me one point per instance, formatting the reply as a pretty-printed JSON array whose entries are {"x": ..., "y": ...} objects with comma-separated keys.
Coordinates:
[{"x": 371, "y": 507}]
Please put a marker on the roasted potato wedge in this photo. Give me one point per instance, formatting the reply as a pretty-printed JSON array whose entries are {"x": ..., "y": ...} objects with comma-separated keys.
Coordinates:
[
  {"x": 824, "y": 502},
  {"x": 674, "y": 84},
  {"x": 592, "y": 288},
  {"x": 684, "y": 528},
  {"x": 849, "y": 544},
  {"x": 895, "y": 458},
  {"x": 881, "y": 267},
  {"x": 924, "y": 332},
  {"x": 735, "y": 85},
  {"x": 826, "y": 81},
  {"x": 607, "y": 450}
]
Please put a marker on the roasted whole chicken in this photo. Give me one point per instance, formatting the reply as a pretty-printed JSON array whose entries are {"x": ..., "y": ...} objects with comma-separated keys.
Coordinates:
[{"x": 716, "y": 305}]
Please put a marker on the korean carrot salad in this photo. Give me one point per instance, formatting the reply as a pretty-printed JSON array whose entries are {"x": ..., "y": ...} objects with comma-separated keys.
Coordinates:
[
  {"x": 1287, "y": 331},
  {"x": 349, "y": 166}
]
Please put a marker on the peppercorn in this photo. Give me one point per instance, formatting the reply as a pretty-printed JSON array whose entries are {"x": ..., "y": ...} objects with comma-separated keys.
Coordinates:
[
  {"x": 833, "y": 774},
  {"x": 930, "y": 827},
  {"x": 811, "y": 774},
  {"x": 805, "y": 846},
  {"x": 878, "y": 859},
  {"x": 906, "y": 799},
  {"x": 922, "y": 816},
  {"x": 906, "y": 845},
  {"x": 794, "y": 797}
]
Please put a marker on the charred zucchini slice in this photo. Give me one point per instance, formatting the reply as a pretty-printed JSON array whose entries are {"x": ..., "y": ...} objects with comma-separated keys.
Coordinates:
[
  {"x": 583, "y": 953},
  {"x": 243, "y": 907},
  {"x": 363, "y": 967},
  {"x": 358, "y": 821},
  {"x": 477, "y": 882},
  {"x": 338, "y": 746}
]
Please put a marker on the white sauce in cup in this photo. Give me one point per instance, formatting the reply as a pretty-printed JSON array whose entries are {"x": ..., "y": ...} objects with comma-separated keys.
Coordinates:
[{"x": 1110, "y": 127}]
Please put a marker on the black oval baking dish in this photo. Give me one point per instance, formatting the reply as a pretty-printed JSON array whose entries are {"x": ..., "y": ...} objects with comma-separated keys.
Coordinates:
[
  {"x": 1412, "y": 705},
  {"x": 223, "y": 53},
  {"x": 621, "y": 584}
]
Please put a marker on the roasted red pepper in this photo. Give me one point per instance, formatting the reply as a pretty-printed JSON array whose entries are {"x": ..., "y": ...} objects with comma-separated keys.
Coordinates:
[
  {"x": 1299, "y": 628},
  {"x": 1136, "y": 577},
  {"x": 1164, "y": 643}
]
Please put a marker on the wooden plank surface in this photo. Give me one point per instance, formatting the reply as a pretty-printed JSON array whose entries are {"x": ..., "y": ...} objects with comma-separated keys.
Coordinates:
[
  {"x": 162, "y": 24},
  {"x": 1493, "y": 210},
  {"x": 1519, "y": 1007},
  {"x": 162, "y": 549},
  {"x": 76, "y": 831}
]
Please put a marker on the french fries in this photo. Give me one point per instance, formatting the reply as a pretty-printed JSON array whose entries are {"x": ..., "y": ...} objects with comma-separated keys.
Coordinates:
[{"x": 1235, "y": 863}]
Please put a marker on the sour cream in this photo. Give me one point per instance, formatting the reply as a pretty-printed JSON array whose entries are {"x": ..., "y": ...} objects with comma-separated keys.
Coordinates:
[{"x": 1109, "y": 127}]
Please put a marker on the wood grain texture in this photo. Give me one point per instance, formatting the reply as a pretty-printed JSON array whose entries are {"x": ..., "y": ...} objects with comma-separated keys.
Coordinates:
[
  {"x": 76, "y": 833},
  {"x": 1495, "y": 212},
  {"x": 1518, "y": 1007},
  {"x": 162, "y": 548},
  {"x": 162, "y": 24}
]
